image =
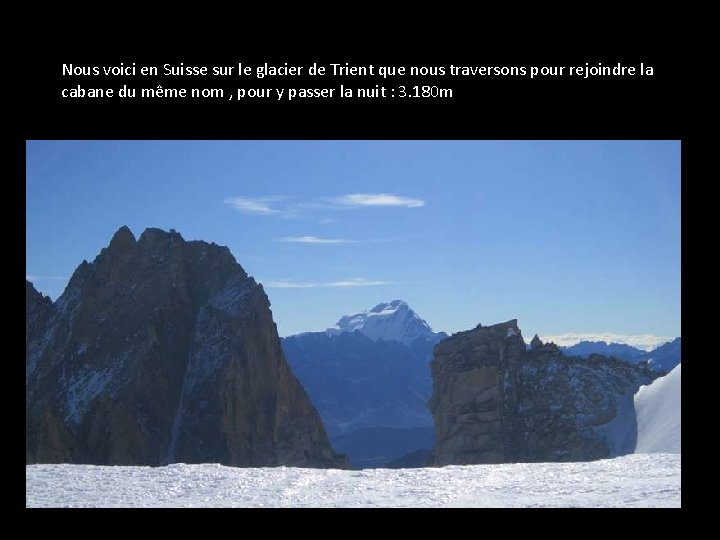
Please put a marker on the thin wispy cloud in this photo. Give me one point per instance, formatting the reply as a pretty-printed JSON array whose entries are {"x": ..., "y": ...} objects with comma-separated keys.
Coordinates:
[
  {"x": 645, "y": 342},
  {"x": 292, "y": 207},
  {"x": 255, "y": 206},
  {"x": 314, "y": 240},
  {"x": 378, "y": 199},
  {"x": 33, "y": 277},
  {"x": 356, "y": 282}
]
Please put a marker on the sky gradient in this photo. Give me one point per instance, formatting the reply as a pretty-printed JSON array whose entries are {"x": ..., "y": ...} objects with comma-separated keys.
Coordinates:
[{"x": 578, "y": 237}]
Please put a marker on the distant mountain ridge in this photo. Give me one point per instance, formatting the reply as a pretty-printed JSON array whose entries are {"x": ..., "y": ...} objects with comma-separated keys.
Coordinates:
[
  {"x": 355, "y": 382},
  {"x": 666, "y": 357},
  {"x": 379, "y": 447},
  {"x": 663, "y": 358},
  {"x": 618, "y": 350},
  {"x": 368, "y": 372}
]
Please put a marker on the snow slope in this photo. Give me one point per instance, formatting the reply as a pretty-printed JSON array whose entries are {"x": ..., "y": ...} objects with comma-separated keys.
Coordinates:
[
  {"x": 657, "y": 407},
  {"x": 632, "y": 480}
]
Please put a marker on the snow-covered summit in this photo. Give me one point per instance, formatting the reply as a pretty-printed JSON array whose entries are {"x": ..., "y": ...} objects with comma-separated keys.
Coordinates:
[{"x": 388, "y": 321}]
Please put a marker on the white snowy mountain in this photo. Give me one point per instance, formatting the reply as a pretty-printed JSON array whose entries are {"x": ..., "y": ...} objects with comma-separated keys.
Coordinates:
[
  {"x": 394, "y": 321},
  {"x": 657, "y": 407}
]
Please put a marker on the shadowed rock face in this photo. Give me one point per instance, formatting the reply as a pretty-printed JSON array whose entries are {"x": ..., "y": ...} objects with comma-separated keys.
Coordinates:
[
  {"x": 494, "y": 401},
  {"x": 162, "y": 351},
  {"x": 38, "y": 310}
]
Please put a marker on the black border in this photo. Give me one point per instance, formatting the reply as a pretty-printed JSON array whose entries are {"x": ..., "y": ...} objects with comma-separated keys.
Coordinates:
[{"x": 651, "y": 108}]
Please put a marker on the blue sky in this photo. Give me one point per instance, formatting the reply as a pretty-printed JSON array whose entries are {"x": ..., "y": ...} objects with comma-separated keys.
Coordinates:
[{"x": 575, "y": 237}]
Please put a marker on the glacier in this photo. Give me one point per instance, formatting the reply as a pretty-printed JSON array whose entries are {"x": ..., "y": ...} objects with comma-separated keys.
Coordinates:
[{"x": 635, "y": 480}]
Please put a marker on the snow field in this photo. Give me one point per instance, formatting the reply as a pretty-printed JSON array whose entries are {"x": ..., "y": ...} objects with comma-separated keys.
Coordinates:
[{"x": 637, "y": 480}]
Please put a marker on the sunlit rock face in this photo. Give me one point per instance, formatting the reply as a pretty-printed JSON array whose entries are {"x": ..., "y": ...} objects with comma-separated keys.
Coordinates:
[
  {"x": 163, "y": 350},
  {"x": 495, "y": 401}
]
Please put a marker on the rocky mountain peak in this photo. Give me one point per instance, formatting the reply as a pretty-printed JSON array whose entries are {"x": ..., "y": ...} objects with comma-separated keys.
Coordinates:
[
  {"x": 38, "y": 311},
  {"x": 123, "y": 239},
  {"x": 33, "y": 297},
  {"x": 163, "y": 350},
  {"x": 152, "y": 236},
  {"x": 536, "y": 342},
  {"x": 496, "y": 401},
  {"x": 493, "y": 336}
]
